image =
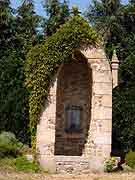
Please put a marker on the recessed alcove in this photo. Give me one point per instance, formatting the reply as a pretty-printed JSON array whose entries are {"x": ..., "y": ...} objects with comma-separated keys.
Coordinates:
[{"x": 73, "y": 107}]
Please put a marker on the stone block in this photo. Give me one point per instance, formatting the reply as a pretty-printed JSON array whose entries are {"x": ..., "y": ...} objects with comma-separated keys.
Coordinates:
[
  {"x": 101, "y": 76},
  {"x": 102, "y": 100},
  {"x": 48, "y": 164},
  {"x": 102, "y": 138},
  {"x": 104, "y": 113},
  {"x": 101, "y": 88},
  {"x": 96, "y": 165},
  {"x": 101, "y": 126}
]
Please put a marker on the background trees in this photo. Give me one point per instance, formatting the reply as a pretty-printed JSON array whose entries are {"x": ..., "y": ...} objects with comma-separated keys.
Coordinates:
[
  {"x": 27, "y": 22},
  {"x": 103, "y": 15},
  {"x": 6, "y": 25},
  {"x": 116, "y": 24},
  {"x": 57, "y": 14},
  {"x": 15, "y": 39},
  {"x": 19, "y": 32},
  {"x": 21, "y": 29}
]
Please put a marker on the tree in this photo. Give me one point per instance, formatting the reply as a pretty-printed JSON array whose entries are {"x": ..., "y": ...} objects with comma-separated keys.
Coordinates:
[
  {"x": 13, "y": 96},
  {"x": 27, "y": 22},
  {"x": 116, "y": 22},
  {"x": 57, "y": 14},
  {"x": 18, "y": 35},
  {"x": 105, "y": 16},
  {"x": 124, "y": 98},
  {"x": 6, "y": 25}
]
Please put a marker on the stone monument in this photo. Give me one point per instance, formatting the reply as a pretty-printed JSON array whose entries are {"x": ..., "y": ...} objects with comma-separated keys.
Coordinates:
[{"x": 75, "y": 127}]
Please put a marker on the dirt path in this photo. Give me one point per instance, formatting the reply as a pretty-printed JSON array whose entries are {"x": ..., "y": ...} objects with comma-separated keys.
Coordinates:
[{"x": 23, "y": 176}]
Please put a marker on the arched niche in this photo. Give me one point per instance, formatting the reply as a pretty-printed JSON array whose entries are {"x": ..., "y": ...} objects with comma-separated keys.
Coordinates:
[
  {"x": 73, "y": 106},
  {"x": 91, "y": 91}
]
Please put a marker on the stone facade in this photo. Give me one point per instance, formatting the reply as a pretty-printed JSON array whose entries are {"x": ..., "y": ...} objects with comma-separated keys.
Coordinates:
[{"x": 87, "y": 82}]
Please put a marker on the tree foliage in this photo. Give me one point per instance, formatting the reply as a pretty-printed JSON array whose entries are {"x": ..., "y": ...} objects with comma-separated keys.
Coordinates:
[
  {"x": 13, "y": 95},
  {"x": 116, "y": 22},
  {"x": 104, "y": 16},
  {"x": 16, "y": 38},
  {"x": 6, "y": 24},
  {"x": 124, "y": 98},
  {"x": 57, "y": 13},
  {"x": 27, "y": 23},
  {"x": 19, "y": 32}
]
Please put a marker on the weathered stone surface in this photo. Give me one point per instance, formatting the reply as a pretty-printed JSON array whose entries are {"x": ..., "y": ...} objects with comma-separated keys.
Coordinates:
[
  {"x": 72, "y": 164},
  {"x": 100, "y": 126},
  {"x": 102, "y": 113},
  {"x": 96, "y": 165},
  {"x": 115, "y": 67},
  {"x": 103, "y": 76},
  {"x": 94, "y": 53},
  {"x": 101, "y": 88},
  {"x": 87, "y": 82},
  {"x": 48, "y": 164},
  {"x": 102, "y": 100},
  {"x": 102, "y": 138}
]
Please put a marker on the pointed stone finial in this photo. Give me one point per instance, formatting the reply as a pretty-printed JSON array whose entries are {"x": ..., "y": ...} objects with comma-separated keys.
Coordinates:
[
  {"x": 115, "y": 67},
  {"x": 114, "y": 57}
]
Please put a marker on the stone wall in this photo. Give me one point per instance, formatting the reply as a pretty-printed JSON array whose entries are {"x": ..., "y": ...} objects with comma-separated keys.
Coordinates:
[
  {"x": 72, "y": 164},
  {"x": 99, "y": 145},
  {"x": 95, "y": 94}
]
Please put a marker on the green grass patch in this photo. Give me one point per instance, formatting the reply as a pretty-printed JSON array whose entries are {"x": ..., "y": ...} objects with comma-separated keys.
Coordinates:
[
  {"x": 19, "y": 164},
  {"x": 22, "y": 164},
  {"x": 130, "y": 159}
]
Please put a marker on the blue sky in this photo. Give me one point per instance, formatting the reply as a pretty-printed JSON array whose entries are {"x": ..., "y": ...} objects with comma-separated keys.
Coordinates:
[{"x": 82, "y": 4}]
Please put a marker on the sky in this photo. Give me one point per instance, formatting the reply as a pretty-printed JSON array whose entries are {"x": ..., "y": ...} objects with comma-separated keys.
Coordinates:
[{"x": 82, "y": 4}]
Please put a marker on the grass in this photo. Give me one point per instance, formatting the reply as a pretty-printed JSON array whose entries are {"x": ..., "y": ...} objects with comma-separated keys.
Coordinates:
[
  {"x": 19, "y": 164},
  {"x": 22, "y": 164}
]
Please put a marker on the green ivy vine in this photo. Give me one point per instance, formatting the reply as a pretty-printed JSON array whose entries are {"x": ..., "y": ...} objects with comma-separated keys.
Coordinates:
[{"x": 44, "y": 60}]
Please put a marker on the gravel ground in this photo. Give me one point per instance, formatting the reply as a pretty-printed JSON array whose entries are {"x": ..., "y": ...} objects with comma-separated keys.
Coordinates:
[{"x": 28, "y": 176}]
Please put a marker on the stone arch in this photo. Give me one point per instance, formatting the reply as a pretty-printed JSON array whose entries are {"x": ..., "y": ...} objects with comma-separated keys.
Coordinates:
[{"x": 98, "y": 144}]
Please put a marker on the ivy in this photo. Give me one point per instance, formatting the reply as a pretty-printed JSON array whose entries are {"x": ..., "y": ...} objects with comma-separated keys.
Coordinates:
[{"x": 44, "y": 60}]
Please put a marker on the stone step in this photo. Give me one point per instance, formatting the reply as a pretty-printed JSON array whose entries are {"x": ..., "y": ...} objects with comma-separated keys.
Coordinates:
[{"x": 72, "y": 164}]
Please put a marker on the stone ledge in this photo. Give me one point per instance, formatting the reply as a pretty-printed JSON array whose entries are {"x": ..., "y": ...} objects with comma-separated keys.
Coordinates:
[{"x": 71, "y": 158}]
